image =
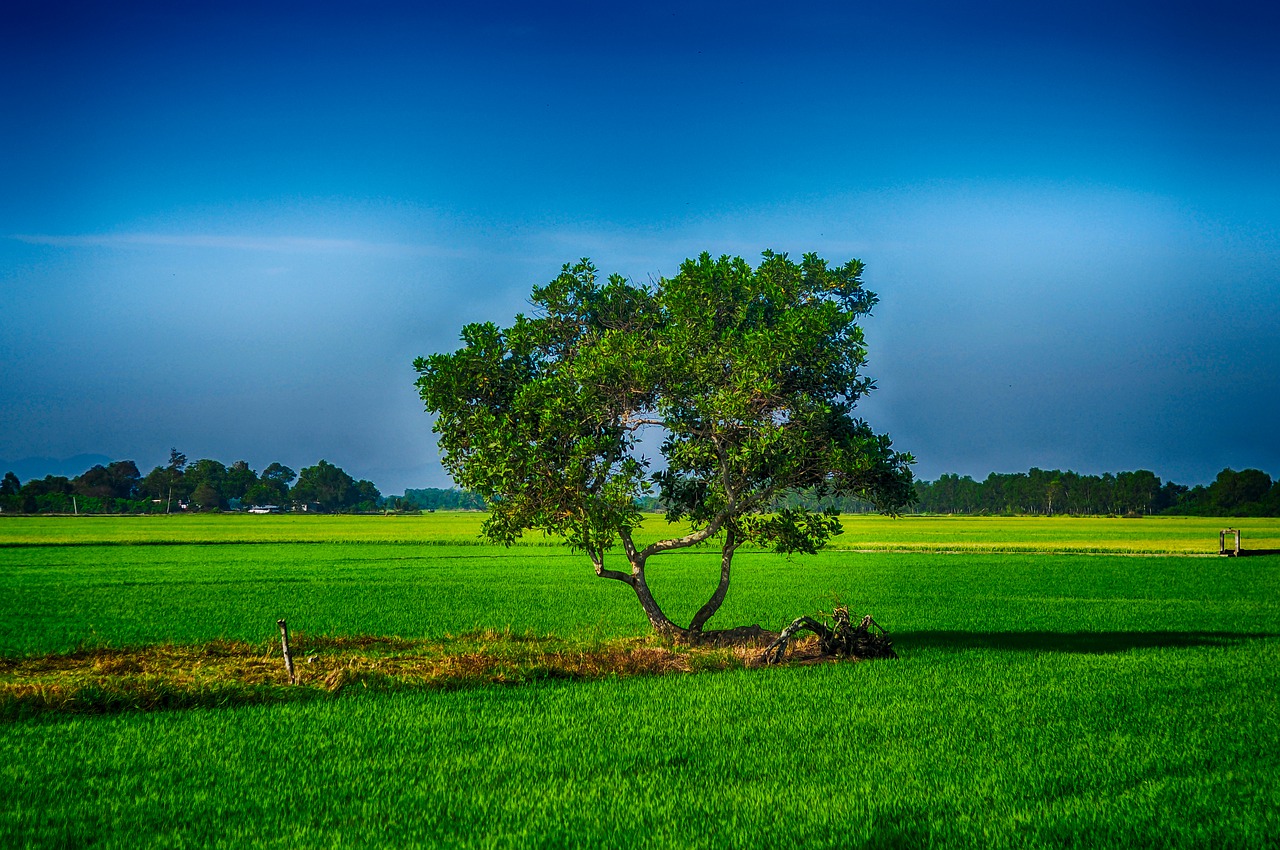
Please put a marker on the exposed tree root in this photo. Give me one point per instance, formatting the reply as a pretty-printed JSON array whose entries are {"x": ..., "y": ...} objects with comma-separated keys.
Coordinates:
[{"x": 841, "y": 639}]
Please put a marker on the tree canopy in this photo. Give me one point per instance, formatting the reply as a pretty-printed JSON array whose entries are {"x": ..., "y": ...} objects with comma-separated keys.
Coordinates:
[
  {"x": 333, "y": 489},
  {"x": 748, "y": 377},
  {"x": 205, "y": 485}
]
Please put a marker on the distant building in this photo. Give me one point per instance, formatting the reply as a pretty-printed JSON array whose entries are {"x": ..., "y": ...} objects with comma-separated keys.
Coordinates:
[{"x": 264, "y": 509}]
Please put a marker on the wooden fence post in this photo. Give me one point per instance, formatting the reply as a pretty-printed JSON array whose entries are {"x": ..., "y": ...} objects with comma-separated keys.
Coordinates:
[{"x": 288, "y": 658}]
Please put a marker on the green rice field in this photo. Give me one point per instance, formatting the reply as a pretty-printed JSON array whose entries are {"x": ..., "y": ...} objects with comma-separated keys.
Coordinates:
[{"x": 1063, "y": 682}]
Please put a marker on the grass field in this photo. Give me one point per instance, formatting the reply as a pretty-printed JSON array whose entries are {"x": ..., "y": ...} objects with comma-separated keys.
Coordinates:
[
  {"x": 1149, "y": 535},
  {"x": 1072, "y": 699}
]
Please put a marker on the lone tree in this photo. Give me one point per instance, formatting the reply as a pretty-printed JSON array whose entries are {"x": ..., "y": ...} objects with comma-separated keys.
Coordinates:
[{"x": 750, "y": 376}]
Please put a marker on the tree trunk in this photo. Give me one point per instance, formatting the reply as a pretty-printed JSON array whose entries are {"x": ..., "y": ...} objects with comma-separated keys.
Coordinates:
[
  {"x": 661, "y": 623},
  {"x": 707, "y": 611}
]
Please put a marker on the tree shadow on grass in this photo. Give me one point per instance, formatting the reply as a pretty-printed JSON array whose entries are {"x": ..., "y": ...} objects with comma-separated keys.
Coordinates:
[{"x": 1089, "y": 643}]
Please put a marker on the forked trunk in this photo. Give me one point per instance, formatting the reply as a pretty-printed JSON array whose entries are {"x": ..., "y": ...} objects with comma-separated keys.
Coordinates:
[
  {"x": 661, "y": 623},
  {"x": 707, "y": 611}
]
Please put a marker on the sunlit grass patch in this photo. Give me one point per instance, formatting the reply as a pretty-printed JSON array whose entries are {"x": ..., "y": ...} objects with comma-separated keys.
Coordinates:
[
  {"x": 1062, "y": 534},
  {"x": 1058, "y": 534}
]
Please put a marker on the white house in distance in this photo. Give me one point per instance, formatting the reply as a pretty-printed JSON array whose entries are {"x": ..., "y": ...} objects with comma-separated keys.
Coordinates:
[{"x": 264, "y": 509}]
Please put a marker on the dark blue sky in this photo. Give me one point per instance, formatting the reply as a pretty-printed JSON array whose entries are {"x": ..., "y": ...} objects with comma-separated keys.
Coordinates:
[{"x": 231, "y": 230}]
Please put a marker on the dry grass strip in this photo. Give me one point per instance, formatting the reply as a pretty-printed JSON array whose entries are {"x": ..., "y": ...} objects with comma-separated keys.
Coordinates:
[{"x": 225, "y": 673}]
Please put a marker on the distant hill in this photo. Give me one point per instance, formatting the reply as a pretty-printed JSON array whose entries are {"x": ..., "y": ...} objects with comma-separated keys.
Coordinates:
[{"x": 38, "y": 467}]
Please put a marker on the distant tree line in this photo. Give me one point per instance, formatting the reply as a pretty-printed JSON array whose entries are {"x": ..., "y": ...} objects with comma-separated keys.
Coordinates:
[
  {"x": 1250, "y": 492},
  {"x": 205, "y": 485},
  {"x": 435, "y": 499},
  {"x": 208, "y": 485}
]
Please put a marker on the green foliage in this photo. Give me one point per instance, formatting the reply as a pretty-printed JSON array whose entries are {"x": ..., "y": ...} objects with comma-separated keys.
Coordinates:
[
  {"x": 48, "y": 484},
  {"x": 118, "y": 480},
  {"x": 271, "y": 488},
  {"x": 238, "y": 480},
  {"x": 207, "y": 483},
  {"x": 748, "y": 376},
  {"x": 792, "y": 530},
  {"x": 1048, "y": 492},
  {"x": 1249, "y": 492},
  {"x": 436, "y": 499},
  {"x": 333, "y": 489}
]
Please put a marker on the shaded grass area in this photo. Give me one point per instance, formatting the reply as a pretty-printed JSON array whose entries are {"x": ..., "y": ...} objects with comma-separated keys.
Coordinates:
[
  {"x": 981, "y": 748},
  {"x": 220, "y": 673}
]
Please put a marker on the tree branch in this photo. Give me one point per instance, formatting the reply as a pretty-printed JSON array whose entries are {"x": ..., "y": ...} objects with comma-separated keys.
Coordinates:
[
  {"x": 628, "y": 545},
  {"x": 688, "y": 540},
  {"x": 597, "y": 560},
  {"x": 634, "y": 424},
  {"x": 616, "y": 575}
]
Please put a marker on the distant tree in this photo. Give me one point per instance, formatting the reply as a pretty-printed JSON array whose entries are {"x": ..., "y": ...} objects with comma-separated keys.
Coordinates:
[
  {"x": 400, "y": 504},
  {"x": 272, "y": 487},
  {"x": 210, "y": 473},
  {"x": 327, "y": 486},
  {"x": 260, "y": 494},
  {"x": 125, "y": 478},
  {"x": 117, "y": 480},
  {"x": 1170, "y": 494},
  {"x": 1053, "y": 492},
  {"x": 51, "y": 494},
  {"x": 94, "y": 481},
  {"x": 279, "y": 476},
  {"x": 366, "y": 496},
  {"x": 156, "y": 484},
  {"x": 50, "y": 484},
  {"x": 1050, "y": 491},
  {"x": 1239, "y": 492},
  {"x": 452, "y": 499},
  {"x": 1137, "y": 490},
  {"x": 750, "y": 375},
  {"x": 10, "y": 499},
  {"x": 206, "y": 497},
  {"x": 166, "y": 482},
  {"x": 239, "y": 479},
  {"x": 278, "y": 473},
  {"x": 1271, "y": 502}
]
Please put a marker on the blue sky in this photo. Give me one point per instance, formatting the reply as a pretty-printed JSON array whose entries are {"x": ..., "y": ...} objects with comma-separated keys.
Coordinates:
[{"x": 231, "y": 230}]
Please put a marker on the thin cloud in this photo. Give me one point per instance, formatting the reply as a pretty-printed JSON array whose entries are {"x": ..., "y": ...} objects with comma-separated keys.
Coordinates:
[{"x": 277, "y": 244}]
